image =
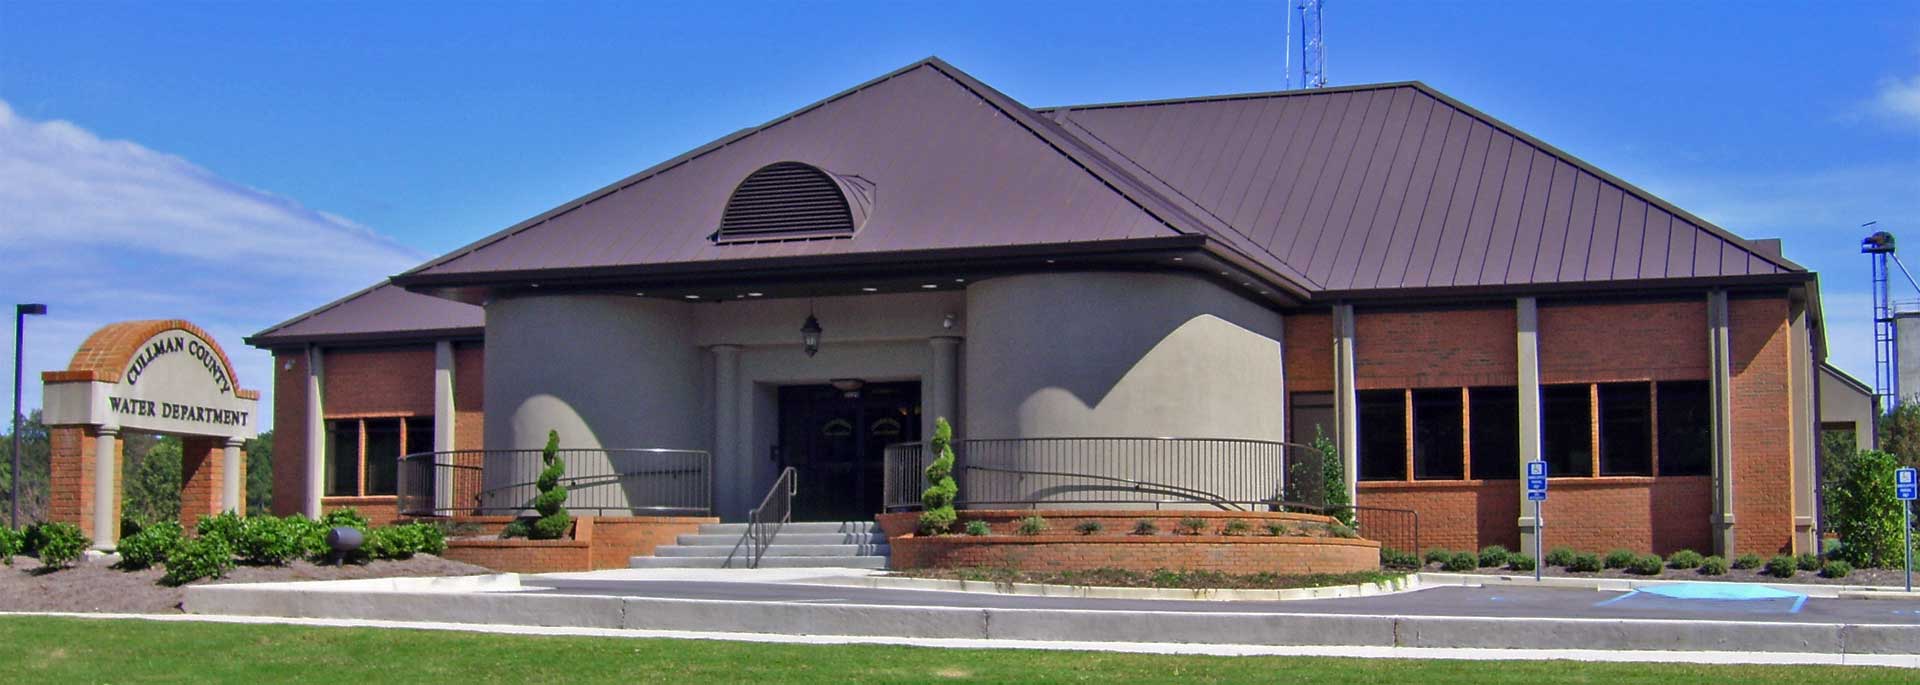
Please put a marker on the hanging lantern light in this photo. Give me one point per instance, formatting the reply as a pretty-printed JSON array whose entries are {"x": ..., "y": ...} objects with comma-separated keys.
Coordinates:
[{"x": 810, "y": 334}]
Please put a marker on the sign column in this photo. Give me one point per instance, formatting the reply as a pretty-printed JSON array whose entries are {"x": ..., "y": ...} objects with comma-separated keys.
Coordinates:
[
  {"x": 233, "y": 469},
  {"x": 106, "y": 497}
]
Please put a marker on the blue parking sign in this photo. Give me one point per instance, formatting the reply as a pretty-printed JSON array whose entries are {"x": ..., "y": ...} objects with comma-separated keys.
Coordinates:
[
  {"x": 1905, "y": 476},
  {"x": 1536, "y": 483},
  {"x": 1536, "y": 495},
  {"x": 1906, "y": 493},
  {"x": 1536, "y": 469}
]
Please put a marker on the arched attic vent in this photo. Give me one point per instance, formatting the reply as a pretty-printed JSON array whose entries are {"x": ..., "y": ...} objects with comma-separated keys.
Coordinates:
[{"x": 794, "y": 201}]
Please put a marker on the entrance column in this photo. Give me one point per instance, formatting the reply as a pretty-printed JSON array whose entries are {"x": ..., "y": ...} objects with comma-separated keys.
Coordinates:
[
  {"x": 443, "y": 424},
  {"x": 106, "y": 497},
  {"x": 1527, "y": 315},
  {"x": 316, "y": 436},
  {"x": 233, "y": 470},
  {"x": 732, "y": 474},
  {"x": 1346, "y": 399},
  {"x": 1719, "y": 354},
  {"x": 944, "y": 395}
]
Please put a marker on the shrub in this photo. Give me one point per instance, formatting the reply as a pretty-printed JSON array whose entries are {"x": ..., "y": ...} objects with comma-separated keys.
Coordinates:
[
  {"x": 1089, "y": 527},
  {"x": 310, "y": 534},
  {"x": 1715, "y": 565},
  {"x": 1619, "y": 558},
  {"x": 1835, "y": 568},
  {"x": 1192, "y": 526},
  {"x": 11, "y": 542},
  {"x": 1586, "y": 562},
  {"x": 1683, "y": 559},
  {"x": 1493, "y": 556},
  {"x": 1645, "y": 565},
  {"x": 347, "y": 517},
  {"x": 61, "y": 544},
  {"x": 516, "y": 528},
  {"x": 1341, "y": 530},
  {"x": 1782, "y": 566},
  {"x": 1437, "y": 556},
  {"x": 30, "y": 539},
  {"x": 205, "y": 557},
  {"x": 1560, "y": 556},
  {"x": 225, "y": 525},
  {"x": 270, "y": 540},
  {"x": 936, "y": 502},
  {"x": 1333, "y": 478},
  {"x": 393, "y": 542},
  {"x": 1235, "y": 527},
  {"x": 1862, "y": 508},
  {"x": 1462, "y": 561},
  {"x": 151, "y": 545},
  {"x": 1032, "y": 525},
  {"x": 1808, "y": 561},
  {"x": 1393, "y": 558},
  {"x": 554, "y": 519},
  {"x": 1145, "y": 527},
  {"x": 1519, "y": 562},
  {"x": 1279, "y": 528},
  {"x": 433, "y": 539},
  {"x": 978, "y": 528},
  {"x": 1748, "y": 560}
]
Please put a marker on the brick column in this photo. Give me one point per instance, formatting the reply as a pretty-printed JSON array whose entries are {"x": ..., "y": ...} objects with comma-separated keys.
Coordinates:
[
  {"x": 200, "y": 477},
  {"x": 75, "y": 450}
]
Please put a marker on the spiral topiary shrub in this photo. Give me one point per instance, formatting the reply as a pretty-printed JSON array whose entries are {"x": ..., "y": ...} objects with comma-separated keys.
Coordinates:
[
  {"x": 936, "y": 502},
  {"x": 554, "y": 519}
]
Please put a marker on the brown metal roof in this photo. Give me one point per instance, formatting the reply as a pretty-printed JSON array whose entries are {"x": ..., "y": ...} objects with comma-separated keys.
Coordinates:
[{"x": 382, "y": 313}]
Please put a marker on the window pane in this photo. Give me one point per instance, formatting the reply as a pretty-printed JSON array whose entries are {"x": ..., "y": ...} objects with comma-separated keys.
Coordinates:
[
  {"x": 1439, "y": 449},
  {"x": 383, "y": 456},
  {"x": 1383, "y": 435},
  {"x": 1566, "y": 438},
  {"x": 1626, "y": 433},
  {"x": 343, "y": 458},
  {"x": 1686, "y": 428},
  {"x": 419, "y": 434},
  {"x": 1495, "y": 415}
]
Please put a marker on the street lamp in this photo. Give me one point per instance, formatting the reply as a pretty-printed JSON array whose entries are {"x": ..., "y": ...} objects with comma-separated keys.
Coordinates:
[{"x": 20, "y": 313}]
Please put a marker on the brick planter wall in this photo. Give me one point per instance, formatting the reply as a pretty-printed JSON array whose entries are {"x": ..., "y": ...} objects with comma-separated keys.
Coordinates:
[
  {"x": 598, "y": 542},
  {"x": 1062, "y": 549}
]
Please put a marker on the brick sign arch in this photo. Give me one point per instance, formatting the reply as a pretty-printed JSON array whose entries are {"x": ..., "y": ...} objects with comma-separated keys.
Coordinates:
[{"x": 165, "y": 376}]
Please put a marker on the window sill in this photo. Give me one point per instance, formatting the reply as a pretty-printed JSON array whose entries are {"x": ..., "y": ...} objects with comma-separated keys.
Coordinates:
[
  {"x": 1573, "y": 481},
  {"x": 359, "y": 499}
]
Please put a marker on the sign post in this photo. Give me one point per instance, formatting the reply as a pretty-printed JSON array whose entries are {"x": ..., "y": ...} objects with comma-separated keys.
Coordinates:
[
  {"x": 1906, "y": 488},
  {"x": 1537, "y": 493}
]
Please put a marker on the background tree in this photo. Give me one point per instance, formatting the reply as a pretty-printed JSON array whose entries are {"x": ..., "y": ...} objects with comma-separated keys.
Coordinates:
[
  {"x": 35, "y": 467},
  {"x": 150, "y": 476},
  {"x": 1900, "y": 434},
  {"x": 260, "y": 474}
]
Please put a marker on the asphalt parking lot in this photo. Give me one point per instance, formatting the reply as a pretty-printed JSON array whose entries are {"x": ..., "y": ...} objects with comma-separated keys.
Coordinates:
[{"x": 1718, "y": 603}]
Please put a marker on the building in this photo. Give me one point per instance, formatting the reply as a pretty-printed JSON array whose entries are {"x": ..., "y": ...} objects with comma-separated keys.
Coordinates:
[{"x": 1437, "y": 292}]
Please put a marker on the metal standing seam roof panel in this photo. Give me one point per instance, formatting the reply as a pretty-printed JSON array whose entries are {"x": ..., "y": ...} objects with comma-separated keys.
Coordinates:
[
  {"x": 1367, "y": 174},
  {"x": 1383, "y": 169},
  {"x": 381, "y": 308},
  {"x": 1451, "y": 240},
  {"x": 1480, "y": 211}
]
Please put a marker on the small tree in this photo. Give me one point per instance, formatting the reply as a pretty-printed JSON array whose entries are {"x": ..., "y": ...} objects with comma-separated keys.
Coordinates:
[
  {"x": 937, "y": 515},
  {"x": 554, "y": 518},
  {"x": 1862, "y": 507},
  {"x": 1333, "y": 475}
]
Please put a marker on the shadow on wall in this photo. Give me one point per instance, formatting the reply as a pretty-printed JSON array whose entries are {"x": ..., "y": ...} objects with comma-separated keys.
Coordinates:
[{"x": 1199, "y": 367}]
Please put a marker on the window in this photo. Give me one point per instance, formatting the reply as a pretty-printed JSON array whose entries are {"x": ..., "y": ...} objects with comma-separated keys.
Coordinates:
[
  {"x": 1495, "y": 432},
  {"x": 1383, "y": 435},
  {"x": 382, "y": 457},
  {"x": 1566, "y": 420},
  {"x": 343, "y": 458},
  {"x": 1439, "y": 448},
  {"x": 419, "y": 435},
  {"x": 1626, "y": 429},
  {"x": 1686, "y": 427},
  {"x": 363, "y": 455}
]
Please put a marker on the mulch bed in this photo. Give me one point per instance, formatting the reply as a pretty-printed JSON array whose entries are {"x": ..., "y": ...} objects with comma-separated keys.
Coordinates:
[
  {"x": 97, "y": 587},
  {"x": 1861, "y": 576}
]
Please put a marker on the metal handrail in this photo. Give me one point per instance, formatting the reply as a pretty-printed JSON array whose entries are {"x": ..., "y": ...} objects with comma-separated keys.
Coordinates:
[
  {"x": 1220, "y": 472},
  {"x": 764, "y": 523},
  {"x": 450, "y": 482}
]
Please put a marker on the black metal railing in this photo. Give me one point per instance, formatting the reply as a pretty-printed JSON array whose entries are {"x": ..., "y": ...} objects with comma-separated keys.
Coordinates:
[
  {"x": 765, "y": 521},
  {"x": 502, "y": 482},
  {"x": 1232, "y": 474}
]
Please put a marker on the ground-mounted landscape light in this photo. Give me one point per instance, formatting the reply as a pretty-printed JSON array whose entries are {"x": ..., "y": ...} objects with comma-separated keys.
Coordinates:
[{"x": 343, "y": 539}]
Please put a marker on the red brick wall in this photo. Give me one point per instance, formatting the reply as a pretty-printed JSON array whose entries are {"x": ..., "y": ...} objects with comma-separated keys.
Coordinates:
[
  {"x": 1457, "y": 515},
  {"x": 289, "y": 431},
  {"x": 1660, "y": 515},
  {"x": 597, "y": 543},
  {"x": 1434, "y": 348},
  {"x": 379, "y": 381},
  {"x": 1762, "y": 435},
  {"x": 469, "y": 389},
  {"x": 1238, "y": 555},
  {"x": 202, "y": 463},
  {"x": 1308, "y": 352},
  {"x": 71, "y": 497},
  {"x": 1630, "y": 341}
]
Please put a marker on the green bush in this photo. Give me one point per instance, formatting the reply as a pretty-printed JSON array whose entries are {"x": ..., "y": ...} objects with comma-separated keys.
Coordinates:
[
  {"x": 1235, "y": 527},
  {"x": 1586, "y": 562},
  {"x": 1519, "y": 562},
  {"x": 1341, "y": 530},
  {"x": 433, "y": 539},
  {"x": 270, "y": 540},
  {"x": 1782, "y": 566},
  {"x": 1145, "y": 527},
  {"x": 1808, "y": 561},
  {"x": 1645, "y": 565},
  {"x": 1560, "y": 556},
  {"x": 1748, "y": 560},
  {"x": 1333, "y": 479},
  {"x": 151, "y": 545},
  {"x": 205, "y": 557},
  {"x": 1192, "y": 525},
  {"x": 1279, "y": 529},
  {"x": 1437, "y": 555},
  {"x": 1862, "y": 508},
  {"x": 310, "y": 534},
  {"x": 1461, "y": 562},
  {"x": 1715, "y": 565},
  {"x": 393, "y": 542},
  {"x": 1684, "y": 559},
  {"x": 1089, "y": 527},
  {"x": 978, "y": 528},
  {"x": 61, "y": 544},
  {"x": 1619, "y": 558},
  {"x": 225, "y": 525},
  {"x": 516, "y": 528},
  {"x": 936, "y": 502},
  {"x": 1032, "y": 525},
  {"x": 554, "y": 519},
  {"x": 1835, "y": 568},
  {"x": 11, "y": 543},
  {"x": 1393, "y": 558},
  {"x": 344, "y": 517},
  {"x": 30, "y": 539},
  {"x": 1493, "y": 556}
]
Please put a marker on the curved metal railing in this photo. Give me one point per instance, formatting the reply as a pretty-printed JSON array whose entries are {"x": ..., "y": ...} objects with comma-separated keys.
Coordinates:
[
  {"x": 637, "y": 481},
  {"x": 1225, "y": 473}
]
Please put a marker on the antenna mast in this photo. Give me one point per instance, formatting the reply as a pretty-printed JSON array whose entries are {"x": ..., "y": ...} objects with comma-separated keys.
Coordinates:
[{"x": 1313, "y": 50}]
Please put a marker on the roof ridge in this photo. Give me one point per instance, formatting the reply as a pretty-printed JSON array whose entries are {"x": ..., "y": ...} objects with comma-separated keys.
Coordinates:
[{"x": 1229, "y": 97}]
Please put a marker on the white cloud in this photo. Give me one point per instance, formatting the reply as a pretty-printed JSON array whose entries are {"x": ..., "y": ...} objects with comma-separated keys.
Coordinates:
[
  {"x": 1899, "y": 99},
  {"x": 109, "y": 230}
]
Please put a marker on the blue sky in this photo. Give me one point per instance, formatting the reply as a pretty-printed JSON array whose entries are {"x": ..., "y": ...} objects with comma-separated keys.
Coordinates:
[{"x": 238, "y": 163}]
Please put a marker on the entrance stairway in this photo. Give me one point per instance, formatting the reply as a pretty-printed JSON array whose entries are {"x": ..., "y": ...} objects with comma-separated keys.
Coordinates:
[{"x": 848, "y": 544}]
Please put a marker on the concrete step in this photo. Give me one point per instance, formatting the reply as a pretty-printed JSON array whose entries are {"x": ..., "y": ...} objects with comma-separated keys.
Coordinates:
[
  {"x": 868, "y": 562},
  {"x": 786, "y": 538},
  {"x": 775, "y": 550},
  {"x": 854, "y": 527}
]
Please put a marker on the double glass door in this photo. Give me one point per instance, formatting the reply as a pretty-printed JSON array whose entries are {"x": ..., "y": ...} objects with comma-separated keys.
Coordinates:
[{"x": 835, "y": 439}]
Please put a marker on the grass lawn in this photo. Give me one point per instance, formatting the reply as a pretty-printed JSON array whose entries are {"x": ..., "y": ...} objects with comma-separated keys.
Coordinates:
[{"x": 35, "y": 649}]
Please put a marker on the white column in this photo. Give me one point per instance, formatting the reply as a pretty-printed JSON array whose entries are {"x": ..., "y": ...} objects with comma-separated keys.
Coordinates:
[
  {"x": 1346, "y": 399},
  {"x": 105, "y": 467},
  {"x": 1720, "y": 355},
  {"x": 443, "y": 425},
  {"x": 1806, "y": 430},
  {"x": 316, "y": 436},
  {"x": 732, "y": 472},
  {"x": 231, "y": 491},
  {"x": 1527, "y": 316},
  {"x": 944, "y": 393}
]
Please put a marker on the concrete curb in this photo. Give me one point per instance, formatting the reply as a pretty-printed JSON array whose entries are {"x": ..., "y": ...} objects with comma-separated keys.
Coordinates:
[
  {"x": 497, "y": 582},
  {"x": 1398, "y": 585},
  {"x": 1431, "y": 579}
]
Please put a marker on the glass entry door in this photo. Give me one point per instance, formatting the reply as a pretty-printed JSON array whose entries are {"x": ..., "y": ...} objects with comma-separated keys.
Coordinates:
[{"x": 834, "y": 439}]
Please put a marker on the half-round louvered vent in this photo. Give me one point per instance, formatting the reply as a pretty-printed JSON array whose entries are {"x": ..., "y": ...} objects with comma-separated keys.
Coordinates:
[{"x": 793, "y": 201}]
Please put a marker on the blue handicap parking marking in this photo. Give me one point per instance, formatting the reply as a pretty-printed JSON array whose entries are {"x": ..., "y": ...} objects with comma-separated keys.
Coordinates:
[{"x": 1745, "y": 598}]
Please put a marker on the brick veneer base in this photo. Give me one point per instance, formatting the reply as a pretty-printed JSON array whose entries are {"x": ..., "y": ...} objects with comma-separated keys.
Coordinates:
[
  {"x": 598, "y": 542},
  {"x": 1114, "y": 547}
]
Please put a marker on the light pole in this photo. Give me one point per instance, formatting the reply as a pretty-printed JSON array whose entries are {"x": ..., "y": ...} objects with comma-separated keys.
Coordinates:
[{"x": 20, "y": 313}]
